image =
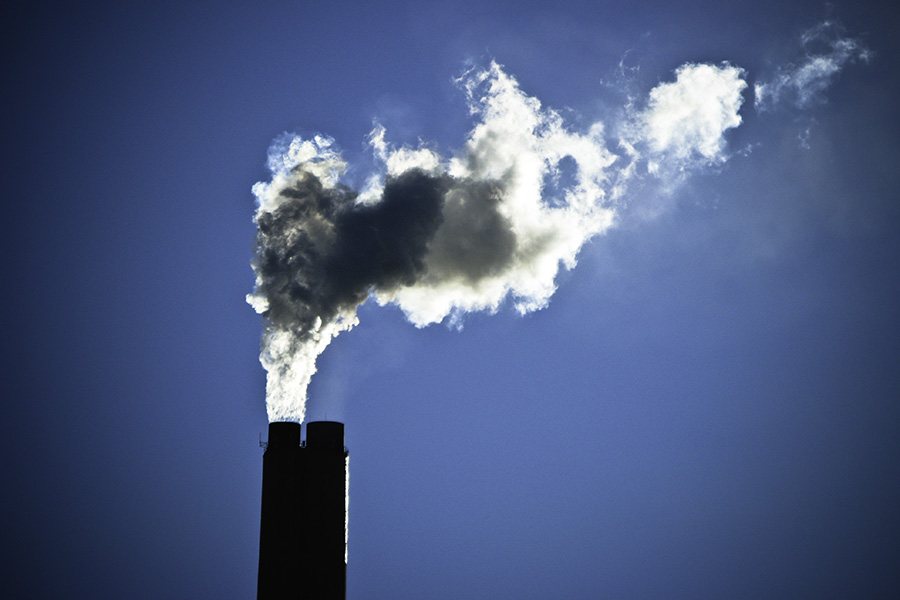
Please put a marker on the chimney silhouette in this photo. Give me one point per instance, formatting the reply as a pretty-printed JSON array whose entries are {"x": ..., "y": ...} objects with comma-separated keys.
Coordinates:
[{"x": 303, "y": 525}]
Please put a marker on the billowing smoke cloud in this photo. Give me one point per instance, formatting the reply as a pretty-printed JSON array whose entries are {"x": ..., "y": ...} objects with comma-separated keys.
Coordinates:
[
  {"x": 444, "y": 236},
  {"x": 826, "y": 52},
  {"x": 685, "y": 120}
]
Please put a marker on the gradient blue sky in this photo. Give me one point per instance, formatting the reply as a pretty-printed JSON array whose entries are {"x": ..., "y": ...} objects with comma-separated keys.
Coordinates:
[{"x": 708, "y": 408}]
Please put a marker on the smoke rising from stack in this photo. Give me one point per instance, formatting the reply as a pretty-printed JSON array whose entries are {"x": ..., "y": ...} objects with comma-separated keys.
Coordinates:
[{"x": 494, "y": 222}]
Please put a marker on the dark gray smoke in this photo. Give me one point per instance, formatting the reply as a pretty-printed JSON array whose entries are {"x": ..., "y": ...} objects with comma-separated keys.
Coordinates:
[{"x": 320, "y": 253}]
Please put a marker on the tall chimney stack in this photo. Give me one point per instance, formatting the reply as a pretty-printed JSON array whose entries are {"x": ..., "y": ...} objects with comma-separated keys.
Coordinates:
[{"x": 303, "y": 527}]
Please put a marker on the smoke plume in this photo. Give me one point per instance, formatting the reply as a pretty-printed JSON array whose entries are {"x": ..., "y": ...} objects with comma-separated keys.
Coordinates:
[{"x": 439, "y": 236}]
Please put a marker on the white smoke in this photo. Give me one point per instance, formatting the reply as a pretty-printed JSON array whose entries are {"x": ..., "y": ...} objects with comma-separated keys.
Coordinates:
[
  {"x": 686, "y": 119},
  {"x": 439, "y": 236},
  {"x": 826, "y": 52}
]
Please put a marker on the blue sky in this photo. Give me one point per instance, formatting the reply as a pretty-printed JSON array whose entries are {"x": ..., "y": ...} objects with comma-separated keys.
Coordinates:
[{"x": 707, "y": 407}]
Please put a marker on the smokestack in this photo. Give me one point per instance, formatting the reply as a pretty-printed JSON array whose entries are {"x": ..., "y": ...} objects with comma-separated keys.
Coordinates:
[{"x": 303, "y": 526}]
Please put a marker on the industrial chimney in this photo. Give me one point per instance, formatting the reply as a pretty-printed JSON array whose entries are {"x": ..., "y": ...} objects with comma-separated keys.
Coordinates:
[{"x": 303, "y": 528}]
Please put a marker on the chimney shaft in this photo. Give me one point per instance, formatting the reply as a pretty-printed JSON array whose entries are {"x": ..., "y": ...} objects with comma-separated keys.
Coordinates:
[{"x": 303, "y": 526}]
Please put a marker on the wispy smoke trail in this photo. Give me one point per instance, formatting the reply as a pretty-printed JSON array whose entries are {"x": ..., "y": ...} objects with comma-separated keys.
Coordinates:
[
  {"x": 443, "y": 236},
  {"x": 826, "y": 52}
]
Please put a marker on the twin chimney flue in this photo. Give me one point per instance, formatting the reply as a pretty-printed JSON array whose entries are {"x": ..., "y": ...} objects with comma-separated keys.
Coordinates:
[{"x": 303, "y": 528}]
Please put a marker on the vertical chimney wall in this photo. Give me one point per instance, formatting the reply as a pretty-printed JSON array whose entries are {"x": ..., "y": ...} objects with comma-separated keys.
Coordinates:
[{"x": 302, "y": 542}]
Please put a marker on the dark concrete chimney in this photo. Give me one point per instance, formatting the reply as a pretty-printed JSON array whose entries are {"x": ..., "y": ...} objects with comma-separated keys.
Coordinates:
[{"x": 303, "y": 527}]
